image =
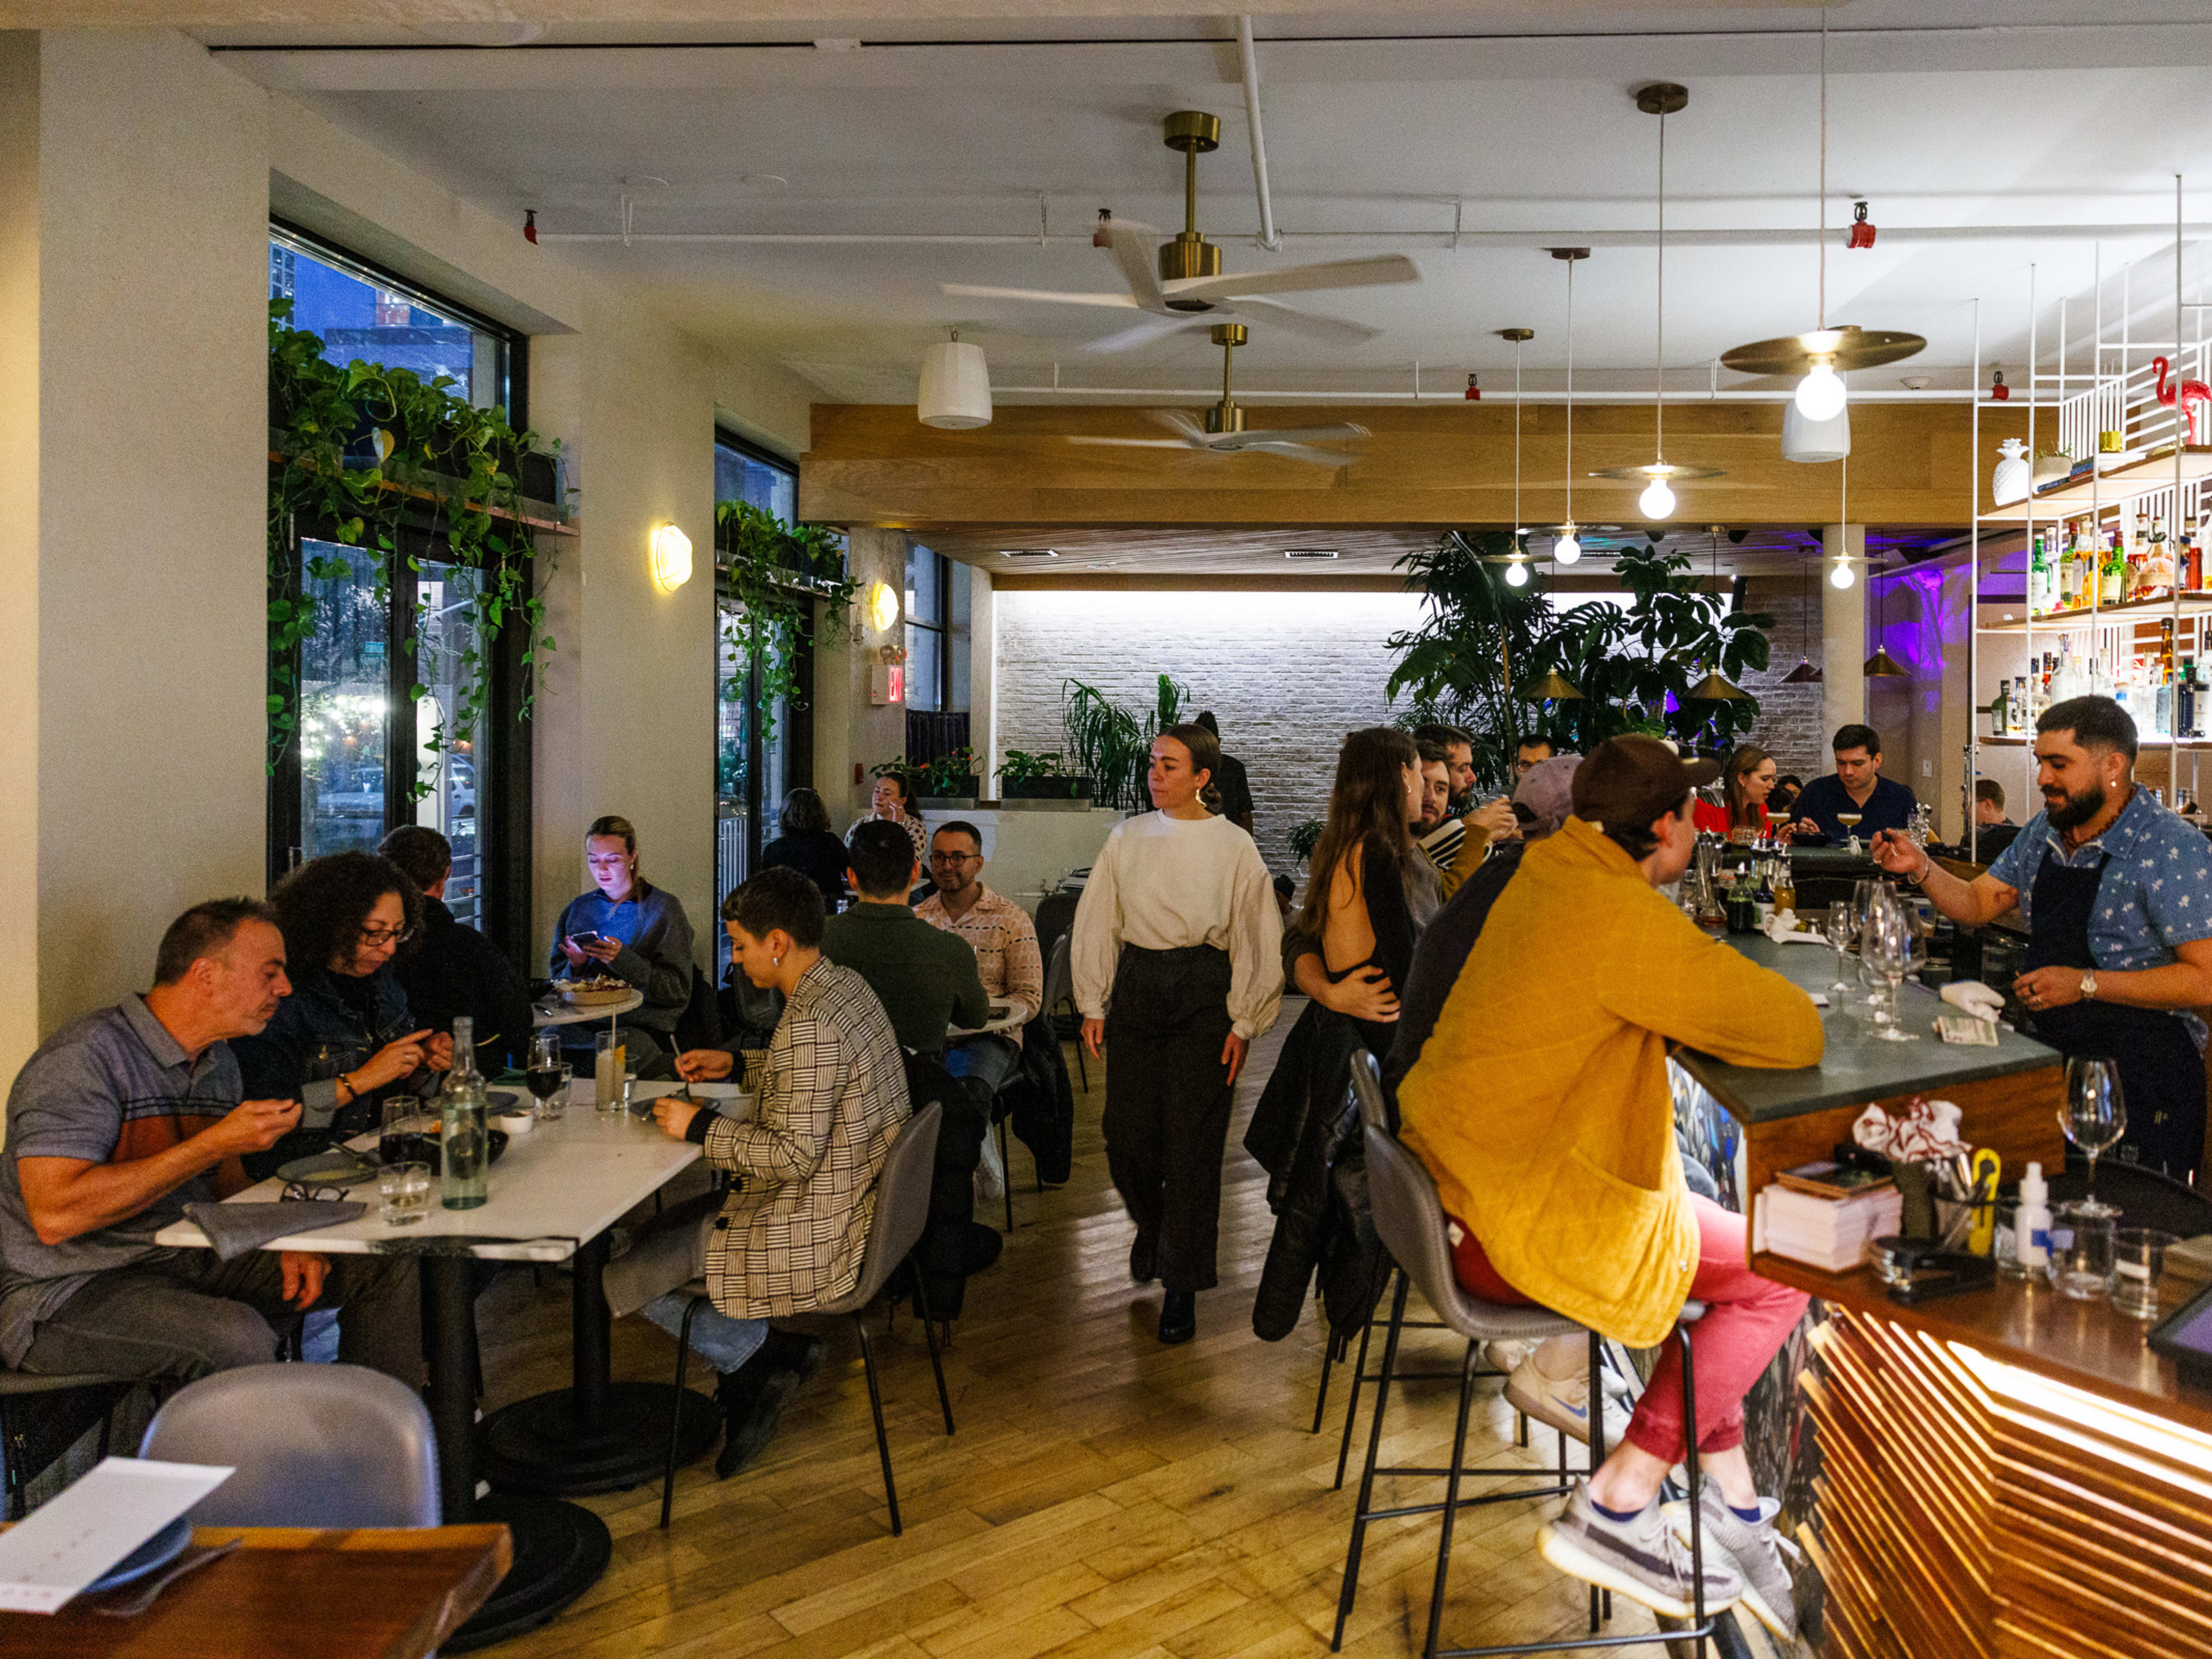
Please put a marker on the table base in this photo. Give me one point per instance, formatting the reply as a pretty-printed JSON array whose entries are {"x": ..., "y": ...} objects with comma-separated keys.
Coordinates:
[
  {"x": 535, "y": 1445},
  {"x": 560, "y": 1550}
]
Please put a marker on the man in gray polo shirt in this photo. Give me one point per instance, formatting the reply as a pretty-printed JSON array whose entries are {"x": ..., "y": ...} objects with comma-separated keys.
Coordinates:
[{"x": 120, "y": 1120}]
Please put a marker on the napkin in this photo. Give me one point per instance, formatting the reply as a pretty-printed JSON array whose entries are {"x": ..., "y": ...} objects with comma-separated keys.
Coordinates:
[
  {"x": 1781, "y": 927},
  {"x": 234, "y": 1228},
  {"x": 1976, "y": 997},
  {"x": 1922, "y": 1132}
]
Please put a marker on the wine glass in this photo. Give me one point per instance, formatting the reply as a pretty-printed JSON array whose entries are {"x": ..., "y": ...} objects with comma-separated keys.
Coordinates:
[
  {"x": 1842, "y": 929},
  {"x": 2094, "y": 1116},
  {"x": 1885, "y": 946},
  {"x": 1851, "y": 822},
  {"x": 543, "y": 1074}
]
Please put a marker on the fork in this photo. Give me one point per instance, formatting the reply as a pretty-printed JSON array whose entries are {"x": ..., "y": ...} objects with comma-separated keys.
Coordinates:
[{"x": 145, "y": 1596}]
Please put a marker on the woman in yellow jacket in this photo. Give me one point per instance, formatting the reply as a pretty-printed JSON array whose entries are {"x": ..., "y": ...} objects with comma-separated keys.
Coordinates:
[{"x": 1540, "y": 1105}]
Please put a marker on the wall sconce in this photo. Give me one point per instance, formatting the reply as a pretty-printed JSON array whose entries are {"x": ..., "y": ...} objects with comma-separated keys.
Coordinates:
[
  {"x": 672, "y": 558},
  {"x": 882, "y": 606}
]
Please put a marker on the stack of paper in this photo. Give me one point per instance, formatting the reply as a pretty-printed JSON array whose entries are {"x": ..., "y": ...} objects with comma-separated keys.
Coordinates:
[{"x": 1831, "y": 1234}]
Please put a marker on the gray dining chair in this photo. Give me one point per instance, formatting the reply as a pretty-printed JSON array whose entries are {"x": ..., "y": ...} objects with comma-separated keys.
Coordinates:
[
  {"x": 902, "y": 1212},
  {"x": 312, "y": 1446},
  {"x": 1059, "y": 987},
  {"x": 1409, "y": 1218}
]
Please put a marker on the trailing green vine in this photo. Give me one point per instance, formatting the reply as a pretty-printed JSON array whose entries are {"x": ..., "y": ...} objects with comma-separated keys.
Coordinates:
[
  {"x": 360, "y": 452},
  {"x": 772, "y": 573}
]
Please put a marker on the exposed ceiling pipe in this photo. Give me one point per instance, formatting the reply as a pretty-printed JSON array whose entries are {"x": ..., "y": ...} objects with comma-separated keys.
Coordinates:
[
  {"x": 1773, "y": 236},
  {"x": 1248, "y": 394},
  {"x": 1270, "y": 237}
]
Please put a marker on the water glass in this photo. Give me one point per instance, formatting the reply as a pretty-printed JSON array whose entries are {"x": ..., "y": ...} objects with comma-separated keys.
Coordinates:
[
  {"x": 555, "y": 1101},
  {"x": 2081, "y": 1253},
  {"x": 405, "y": 1190},
  {"x": 2138, "y": 1262},
  {"x": 608, "y": 1054},
  {"x": 2005, "y": 1241}
]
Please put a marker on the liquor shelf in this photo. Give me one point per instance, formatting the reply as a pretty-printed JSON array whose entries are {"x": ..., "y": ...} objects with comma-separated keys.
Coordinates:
[{"x": 2116, "y": 488}]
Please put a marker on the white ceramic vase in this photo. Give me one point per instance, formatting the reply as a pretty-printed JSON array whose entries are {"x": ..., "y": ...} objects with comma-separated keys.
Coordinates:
[{"x": 2010, "y": 481}]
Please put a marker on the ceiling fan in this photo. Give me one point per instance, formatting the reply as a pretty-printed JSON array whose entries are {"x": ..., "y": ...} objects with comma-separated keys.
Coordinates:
[
  {"x": 1224, "y": 432},
  {"x": 1180, "y": 282}
]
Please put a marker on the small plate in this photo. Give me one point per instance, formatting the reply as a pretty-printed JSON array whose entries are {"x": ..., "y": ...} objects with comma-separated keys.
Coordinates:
[
  {"x": 504, "y": 1102},
  {"x": 337, "y": 1167},
  {"x": 163, "y": 1547}
]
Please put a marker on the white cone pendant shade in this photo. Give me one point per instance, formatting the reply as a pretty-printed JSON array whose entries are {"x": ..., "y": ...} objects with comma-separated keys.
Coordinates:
[
  {"x": 955, "y": 388},
  {"x": 1810, "y": 440}
]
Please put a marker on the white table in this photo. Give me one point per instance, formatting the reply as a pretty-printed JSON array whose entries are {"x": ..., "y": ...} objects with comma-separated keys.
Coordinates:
[
  {"x": 544, "y": 1019},
  {"x": 1004, "y": 1016},
  {"x": 553, "y": 1195}
]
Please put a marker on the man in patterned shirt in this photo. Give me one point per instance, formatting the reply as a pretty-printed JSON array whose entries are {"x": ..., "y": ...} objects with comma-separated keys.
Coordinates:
[
  {"x": 2116, "y": 893},
  {"x": 1005, "y": 942}
]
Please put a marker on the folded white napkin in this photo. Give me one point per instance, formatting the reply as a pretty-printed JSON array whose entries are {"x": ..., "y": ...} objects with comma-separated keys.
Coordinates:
[
  {"x": 1975, "y": 998},
  {"x": 1781, "y": 927}
]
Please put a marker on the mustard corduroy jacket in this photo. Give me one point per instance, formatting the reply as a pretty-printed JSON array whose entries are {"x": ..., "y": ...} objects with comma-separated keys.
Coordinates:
[{"x": 1539, "y": 1101}]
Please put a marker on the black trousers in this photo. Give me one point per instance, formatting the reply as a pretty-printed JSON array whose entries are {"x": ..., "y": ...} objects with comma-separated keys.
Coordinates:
[{"x": 1167, "y": 1106}]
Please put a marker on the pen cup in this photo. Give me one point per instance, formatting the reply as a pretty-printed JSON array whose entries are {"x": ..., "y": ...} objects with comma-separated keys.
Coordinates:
[
  {"x": 2138, "y": 1264},
  {"x": 2081, "y": 1254}
]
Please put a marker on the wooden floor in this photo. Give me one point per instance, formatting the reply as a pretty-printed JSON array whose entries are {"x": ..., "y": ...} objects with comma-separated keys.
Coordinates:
[{"x": 1104, "y": 1496}]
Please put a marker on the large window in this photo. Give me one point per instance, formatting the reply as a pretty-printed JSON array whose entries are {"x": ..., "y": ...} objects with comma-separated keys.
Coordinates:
[
  {"x": 404, "y": 715},
  {"x": 937, "y": 632},
  {"x": 764, "y": 738}
]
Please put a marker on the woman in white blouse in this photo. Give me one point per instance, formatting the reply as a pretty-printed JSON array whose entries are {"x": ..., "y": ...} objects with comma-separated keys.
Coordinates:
[{"x": 1175, "y": 955}]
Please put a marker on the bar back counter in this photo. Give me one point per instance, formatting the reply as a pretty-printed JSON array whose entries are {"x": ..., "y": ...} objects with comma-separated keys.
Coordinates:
[{"x": 2000, "y": 1472}]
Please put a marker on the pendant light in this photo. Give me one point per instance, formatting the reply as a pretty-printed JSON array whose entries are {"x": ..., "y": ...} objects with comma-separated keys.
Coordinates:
[
  {"x": 1816, "y": 357},
  {"x": 1840, "y": 576},
  {"x": 1551, "y": 686},
  {"x": 1881, "y": 664},
  {"x": 1714, "y": 688},
  {"x": 1569, "y": 548},
  {"x": 1661, "y": 98},
  {"x": 1807, "y": 672},
  {"x": 1514, "y": 573},
  {"x": 956, "y": 387}
]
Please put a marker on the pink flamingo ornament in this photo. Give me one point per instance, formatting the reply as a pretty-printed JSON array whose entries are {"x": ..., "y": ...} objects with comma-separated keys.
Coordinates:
[{"x": 2189, "y": 393}]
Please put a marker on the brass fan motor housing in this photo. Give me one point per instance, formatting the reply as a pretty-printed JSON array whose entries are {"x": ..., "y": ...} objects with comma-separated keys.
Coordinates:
[
  {"x": 1193, "y": 132},
  {"x": 1226, "y": 417},
  {"x": 1191, "y": 129},
  {"x": 1188, "y": 254}
]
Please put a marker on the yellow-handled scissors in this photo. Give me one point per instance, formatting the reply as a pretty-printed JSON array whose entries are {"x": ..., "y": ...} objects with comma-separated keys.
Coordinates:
[{"x": 1987, "y": 1167}]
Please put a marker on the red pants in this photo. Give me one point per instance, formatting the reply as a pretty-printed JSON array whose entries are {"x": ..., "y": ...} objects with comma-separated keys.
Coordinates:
[{"x": 1747, "y": 1319}]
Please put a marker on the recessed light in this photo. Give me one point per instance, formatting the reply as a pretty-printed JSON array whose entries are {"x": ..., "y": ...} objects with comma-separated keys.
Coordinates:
[
  {"x": 1310, "y": 553},
  {"x": 1028, "y": 553}
]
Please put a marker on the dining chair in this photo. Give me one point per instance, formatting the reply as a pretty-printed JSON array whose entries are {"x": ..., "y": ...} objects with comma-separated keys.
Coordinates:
[
  {"x": 1059, "y": 987},
  {"x": 40, "y": 1416},
  {"x": 312, "y": 1446}
]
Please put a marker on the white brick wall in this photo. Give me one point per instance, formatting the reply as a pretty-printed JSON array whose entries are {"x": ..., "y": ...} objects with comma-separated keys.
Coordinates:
[
  {"x": 1287, "y": 674},
  {"x": 1791, "y": 724}
]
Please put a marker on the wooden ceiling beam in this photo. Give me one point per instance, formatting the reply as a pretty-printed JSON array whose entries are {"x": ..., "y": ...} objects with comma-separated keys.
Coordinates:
[{"x": 876, "y": 465}]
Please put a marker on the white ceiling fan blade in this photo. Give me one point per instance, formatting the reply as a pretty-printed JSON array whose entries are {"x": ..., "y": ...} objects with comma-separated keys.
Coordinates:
[
  {"x": 1135, "y": 251},
  {"x": 1253, "y": 438},
  {"x": 1130, "y": 443},
  {"x": 1298, "y": 279},
  {"x": 1326, "y": 331},
  {"x": 970, "y": 290},
  {"x": 1299, "y": 452},
  {"x": 1144, "y": 333},
  {"x": 1192, "y": 432}
]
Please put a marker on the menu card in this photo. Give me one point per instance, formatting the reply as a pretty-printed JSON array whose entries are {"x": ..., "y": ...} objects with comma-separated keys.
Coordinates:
[{"x": 69, "y": 1542}]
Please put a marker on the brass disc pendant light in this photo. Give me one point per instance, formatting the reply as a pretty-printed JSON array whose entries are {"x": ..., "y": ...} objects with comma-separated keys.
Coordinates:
[
  {"x": 1551, "y": 686},
  {"x": 1714, "y": 688},
  {"x": 1819, "y": 354},
  {"x": 1661, "y": 98},
  {"x": 1569, "y": 547}
]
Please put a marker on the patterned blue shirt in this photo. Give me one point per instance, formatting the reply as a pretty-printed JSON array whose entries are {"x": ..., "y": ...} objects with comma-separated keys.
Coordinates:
[{"x": 2155, "y": 893}]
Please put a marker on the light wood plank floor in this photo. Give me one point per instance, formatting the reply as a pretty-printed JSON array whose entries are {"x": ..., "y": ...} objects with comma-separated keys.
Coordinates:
[{"x": 1104, "y": 1496}]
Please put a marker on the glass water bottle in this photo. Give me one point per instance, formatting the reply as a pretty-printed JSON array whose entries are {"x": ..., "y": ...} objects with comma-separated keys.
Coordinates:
[{"x": 463, "y": 1106}]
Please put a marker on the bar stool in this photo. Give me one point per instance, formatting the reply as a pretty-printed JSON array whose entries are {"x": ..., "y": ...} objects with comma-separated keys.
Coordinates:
[{"x": 1410, "y": 1219}]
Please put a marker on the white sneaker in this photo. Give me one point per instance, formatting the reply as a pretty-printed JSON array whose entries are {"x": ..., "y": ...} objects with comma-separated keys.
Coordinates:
[
  {"x": 1639, "y": 1557},
  {"x": 1755, "y": 1550},
  {"x": 1504, "y": 1356},
  {"x": 1563, "y": 1403}
]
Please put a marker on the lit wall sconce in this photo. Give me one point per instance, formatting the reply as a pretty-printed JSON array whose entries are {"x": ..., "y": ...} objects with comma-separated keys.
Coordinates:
[
  {"x": 882, "y": 606},
  {"x": 672, "y": 558}
]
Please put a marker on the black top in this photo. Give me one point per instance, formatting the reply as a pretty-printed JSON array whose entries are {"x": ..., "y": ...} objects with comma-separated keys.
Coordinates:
[
  {"x": 1992, "y": 839},
  {"x": 1236, "y": 789},
  {"x": 1382, "y": 886},
  {"x": 1890, "y": 807},
  {"x": 815, "y": 854},
  {"x": 1442, "y": 952},
  {"x": 454, "y": 969}
]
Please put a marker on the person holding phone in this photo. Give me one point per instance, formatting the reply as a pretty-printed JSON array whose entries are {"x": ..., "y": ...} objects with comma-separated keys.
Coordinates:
[{"x": 628, "y": 929}]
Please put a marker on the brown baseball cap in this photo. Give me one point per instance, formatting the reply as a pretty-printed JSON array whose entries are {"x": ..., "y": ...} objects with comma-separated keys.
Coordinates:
[{"x": 1629, "y": 780}]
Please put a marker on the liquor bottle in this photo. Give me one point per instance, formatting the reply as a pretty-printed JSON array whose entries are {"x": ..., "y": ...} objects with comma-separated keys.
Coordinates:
[
  {"x": 2000, "y": 711},
  {"x": 2022, "y": 713},
  {"x": 2113, "y": 573},
  {"x": 2185, "y": 699},
  {"x": 464, "y": 1150},
  {"x": 2039, "y": 601}
]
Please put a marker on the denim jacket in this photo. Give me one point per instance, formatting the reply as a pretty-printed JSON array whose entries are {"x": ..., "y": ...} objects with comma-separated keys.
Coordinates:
[{"x": 277, "y": 1062}]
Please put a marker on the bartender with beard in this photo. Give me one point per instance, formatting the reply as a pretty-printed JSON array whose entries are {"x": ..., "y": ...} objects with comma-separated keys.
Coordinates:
[{"x": 2116, "y": 893}]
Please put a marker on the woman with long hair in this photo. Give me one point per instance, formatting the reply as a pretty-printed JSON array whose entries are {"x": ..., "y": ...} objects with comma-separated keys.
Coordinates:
[
  {"x": 1361, "y": 903},
  {"x": 808, "y": 845},
  {"x": 1746, "y": 780},
  {"x": 1174, "y": 953},
  {"x": 627, "y": 929}
]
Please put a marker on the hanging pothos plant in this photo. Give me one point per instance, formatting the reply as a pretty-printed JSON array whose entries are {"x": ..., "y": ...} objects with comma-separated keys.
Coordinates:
[
  {"x": 360, "y": 451},
  {"x": 772, "y": 573}
]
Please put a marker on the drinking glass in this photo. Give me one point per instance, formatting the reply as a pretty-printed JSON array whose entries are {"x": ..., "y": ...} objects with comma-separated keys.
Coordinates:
[
  {"x": 552, "y": 1105},
  {"x": 1851, "y": 822},
  {"x": 607, "y": 1070},
  {"x": 2081, "y": 1251},
  {"x": 1886, "y": 948},
  {"x": 2138, "y": 1262},
  {"x": 546, "y": 1075},
  {"x": 405, "y": 1125},
  {"x": 405, "y": 1190},
  {"x": 1842, "y": 928},
  {"x": 2095, "y": 1116}
]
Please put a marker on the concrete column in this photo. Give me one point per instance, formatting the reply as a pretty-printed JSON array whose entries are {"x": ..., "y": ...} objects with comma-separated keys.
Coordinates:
[
  {"x": 1842, "y": 632},
  {"x": 982, "y": 665},
  {"x": 849, "y": 731}
]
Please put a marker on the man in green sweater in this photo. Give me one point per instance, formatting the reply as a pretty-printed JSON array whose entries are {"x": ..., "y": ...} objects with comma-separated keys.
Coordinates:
[{"x": 925, "y": 977}]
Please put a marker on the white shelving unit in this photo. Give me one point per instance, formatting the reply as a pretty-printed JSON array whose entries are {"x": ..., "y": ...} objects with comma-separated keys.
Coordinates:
[{"x": 2156, "y": 471}]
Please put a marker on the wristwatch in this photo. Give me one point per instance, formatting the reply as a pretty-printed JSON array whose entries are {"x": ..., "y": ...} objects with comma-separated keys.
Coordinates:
[{"x": 2089, "y": 985}]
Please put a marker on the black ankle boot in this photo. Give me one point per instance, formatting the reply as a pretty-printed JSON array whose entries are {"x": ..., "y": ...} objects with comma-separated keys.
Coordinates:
[{"x": 1178, "y": 1317}]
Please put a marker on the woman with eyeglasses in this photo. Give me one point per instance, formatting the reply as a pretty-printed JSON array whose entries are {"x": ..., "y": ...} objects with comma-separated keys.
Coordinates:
[{"x": 343, "y": 1039}]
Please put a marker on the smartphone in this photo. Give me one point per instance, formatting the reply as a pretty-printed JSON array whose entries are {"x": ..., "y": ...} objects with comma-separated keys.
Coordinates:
[{"x": 587, "y": 938}]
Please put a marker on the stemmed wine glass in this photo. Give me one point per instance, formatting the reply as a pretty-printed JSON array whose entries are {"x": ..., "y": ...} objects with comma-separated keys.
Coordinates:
[
  {"x": 2094, "y": 1116},
  {"x": 1885, "y": 946},
  {"x": 1842, "y": 929},
  {"x": 1851, "y": 822},
  {"x": 546, "y": 1074}
]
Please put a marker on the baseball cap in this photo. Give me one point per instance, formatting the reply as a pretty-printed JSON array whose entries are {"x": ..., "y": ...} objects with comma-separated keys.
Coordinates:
[
  {"x": 1547, "y": 792},
  {"x": 1629, "y": 780}
]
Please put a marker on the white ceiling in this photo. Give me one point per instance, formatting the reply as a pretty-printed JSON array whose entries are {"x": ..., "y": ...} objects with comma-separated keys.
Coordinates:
[{"x": 1956, "y": 118}]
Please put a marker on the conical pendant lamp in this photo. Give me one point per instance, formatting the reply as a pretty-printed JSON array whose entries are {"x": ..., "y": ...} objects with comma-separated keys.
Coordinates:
[
  {"x": 1807, "y": 672},
  {"x": 1714, "y": 688},
  {"x": 1551, "y": 686},
  {"x": 1881, "y": 664}
]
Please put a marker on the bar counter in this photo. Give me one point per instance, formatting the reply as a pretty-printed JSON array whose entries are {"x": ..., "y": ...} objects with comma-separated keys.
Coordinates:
[{"x": 1997, "y": 1473}]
